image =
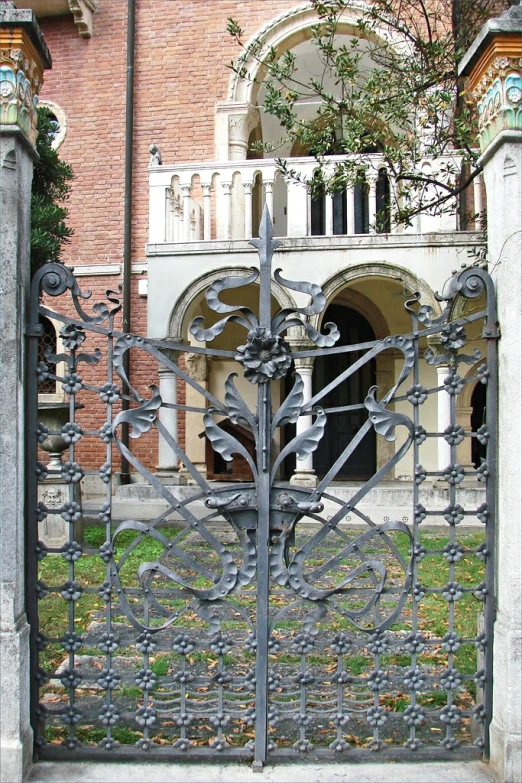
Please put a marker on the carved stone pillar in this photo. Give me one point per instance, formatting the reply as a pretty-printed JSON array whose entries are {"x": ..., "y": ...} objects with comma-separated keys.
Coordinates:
[
  {"x": 198, "y": 367},
  {"x": 23, "y": 58},
  {"x": 304, "y": 474},
  {"x": 493, "y": 66}
]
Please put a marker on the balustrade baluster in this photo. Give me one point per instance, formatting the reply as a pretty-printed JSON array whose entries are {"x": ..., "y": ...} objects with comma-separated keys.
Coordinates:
[
  {"x": 247, "y": 187},
  {"x": 206, "y": 212},
  {"x": 186, "y": 212}
]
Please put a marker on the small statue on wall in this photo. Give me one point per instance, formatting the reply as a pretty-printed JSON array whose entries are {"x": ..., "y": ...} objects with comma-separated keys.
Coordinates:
[{"x": 155, "y": 156}]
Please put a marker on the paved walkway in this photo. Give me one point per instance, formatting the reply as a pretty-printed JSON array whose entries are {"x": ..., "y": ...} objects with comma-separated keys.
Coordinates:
[{"x": 422, "y": 772}]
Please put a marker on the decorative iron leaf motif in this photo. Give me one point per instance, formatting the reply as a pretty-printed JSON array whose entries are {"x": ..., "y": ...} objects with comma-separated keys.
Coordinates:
[
  {"x": 289, "y": 411},
  {"x": 309, "y": 440},
  {"x": 141, "y": 418},
  {"x": 223, "y": 442},
  {"x": 238, "y": 313},
  {"x": 383, "y": 420},
  {"x": 225, "y": 284},
  {"x": 237, "y": 409},
  {"x": 306, "y": 442},
  {"x": 283, "y": 319},
  {"x": 207, "y": 335}
]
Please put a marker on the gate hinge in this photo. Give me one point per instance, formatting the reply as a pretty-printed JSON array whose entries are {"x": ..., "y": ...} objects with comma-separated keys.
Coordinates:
[
  {"x": 33, "y": 330},
  {"x": 491, "y": 332}
]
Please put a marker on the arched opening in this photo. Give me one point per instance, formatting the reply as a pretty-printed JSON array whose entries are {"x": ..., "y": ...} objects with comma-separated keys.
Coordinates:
[
  {"x": 478, "y": 418},
  {"x": 342, "y": 427}
]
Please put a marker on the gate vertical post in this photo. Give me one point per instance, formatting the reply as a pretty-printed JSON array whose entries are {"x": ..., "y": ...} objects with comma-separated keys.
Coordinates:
[
  {"x": 266, "y": 246},
  {"x": 23, "y": 58},
  {"x": 493, "y": 65}
]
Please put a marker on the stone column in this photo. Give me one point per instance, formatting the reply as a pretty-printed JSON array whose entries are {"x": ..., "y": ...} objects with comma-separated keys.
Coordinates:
[
  {"x": 493, "y": 65},
  {"x": 269, "y": 196},
  {"x": 168, "y": 463},
  {"x": 23, "y": 57},
  {"x": 198, "y": 367},
  {"x": 371, "y": 178},
  {"x": 443, "y": 419},
  {"x": 227, "y": 209},
  {"x": 350, "y": 210},
  {"x": 328, "y": 215},
  {"x": 304, "y": 474},
  {"x": 240, "y": 125}
]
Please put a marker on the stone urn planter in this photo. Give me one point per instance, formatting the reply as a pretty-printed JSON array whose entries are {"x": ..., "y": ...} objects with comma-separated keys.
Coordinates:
[{"x": 53, "y": 492}]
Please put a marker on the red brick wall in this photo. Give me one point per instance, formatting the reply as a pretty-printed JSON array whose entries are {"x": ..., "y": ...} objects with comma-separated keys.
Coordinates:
[{"x": 182, "y": 52}]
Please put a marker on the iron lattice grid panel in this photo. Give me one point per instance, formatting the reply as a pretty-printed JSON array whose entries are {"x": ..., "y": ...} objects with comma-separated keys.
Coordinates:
[{"x": 255, "y": 619}]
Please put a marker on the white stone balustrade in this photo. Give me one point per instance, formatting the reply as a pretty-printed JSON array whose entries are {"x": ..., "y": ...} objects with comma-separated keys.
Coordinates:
[{"x": 224, "y": 200}]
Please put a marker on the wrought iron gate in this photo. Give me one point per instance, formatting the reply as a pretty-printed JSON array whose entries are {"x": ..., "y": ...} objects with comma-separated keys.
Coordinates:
[{"x": 261, "y": 618}]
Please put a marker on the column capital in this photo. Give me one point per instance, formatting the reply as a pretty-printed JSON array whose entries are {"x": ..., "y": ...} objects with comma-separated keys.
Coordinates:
[
  {"x": 170, "y": 353},
  {"x": 493, "y": 66},
  {"x": 23, "y": 58},
  {"x": 241, "y": 123},
  {"x": 302, "y": 345}
]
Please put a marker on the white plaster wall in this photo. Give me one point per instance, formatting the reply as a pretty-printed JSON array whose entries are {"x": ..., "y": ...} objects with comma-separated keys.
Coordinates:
[{"x": 173, "y": 268}]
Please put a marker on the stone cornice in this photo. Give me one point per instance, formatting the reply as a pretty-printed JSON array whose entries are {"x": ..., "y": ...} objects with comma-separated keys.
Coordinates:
[
  {"x": 24, "y": 19},
  {"x": 493, "y": 66},
  {"x": 507, "y": 26}
]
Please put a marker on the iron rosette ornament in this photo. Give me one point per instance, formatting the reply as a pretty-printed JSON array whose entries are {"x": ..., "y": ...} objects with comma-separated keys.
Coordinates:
[{"x": 265, "y": 356}]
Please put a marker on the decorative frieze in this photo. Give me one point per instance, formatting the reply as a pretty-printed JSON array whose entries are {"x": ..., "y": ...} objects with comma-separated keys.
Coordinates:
[
  {"x": 23, "y": 57},
  {"x": 499, "y": 99}
]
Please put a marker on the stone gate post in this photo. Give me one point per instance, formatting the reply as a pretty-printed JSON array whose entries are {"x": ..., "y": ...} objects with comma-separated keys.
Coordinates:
[
  {"x": 23, "y": 57},
  {"x": 494, "y": 67}
]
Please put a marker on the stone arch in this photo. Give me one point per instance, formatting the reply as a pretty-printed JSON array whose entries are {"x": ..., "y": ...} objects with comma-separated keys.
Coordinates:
[
  {"x": 341, "y": 280},
  {"x": 237, "y": 117},
  {"x": 365, "y": 307},
  {"x": 284, "y": 32},
  {"x": 181, "y": 309}
]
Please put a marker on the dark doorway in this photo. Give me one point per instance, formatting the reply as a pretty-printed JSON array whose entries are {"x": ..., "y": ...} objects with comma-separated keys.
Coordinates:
[
  {"x": 478, "y": 418},
  {"x": 342, "y": 427}
]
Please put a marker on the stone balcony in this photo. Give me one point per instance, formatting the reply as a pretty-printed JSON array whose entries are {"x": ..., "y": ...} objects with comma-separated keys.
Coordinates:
[{"x": 211, "y": 201}]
